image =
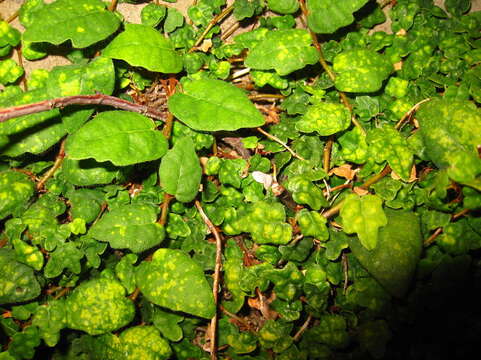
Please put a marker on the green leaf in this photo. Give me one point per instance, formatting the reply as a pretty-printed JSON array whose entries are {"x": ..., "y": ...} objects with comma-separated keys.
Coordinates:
[
  {"x": 23, "y": 343},
  {"x": 142, "y": 45},
  {"x": 283, "y": 6},
  {"x": 360, "y": 70},
  {"x": 50, "y": 319},
  {"x": 131, "y": 227},
  {"x": 10, "y": 71},
  {"x": 212, "y": 105},
  {"x": 374, "y": 336},
  {"x": 180, "y": 171},
  {"x": 284, "y": 51},
  {"x": 28, "y": 255},
  {"x": 152, "y": 14},
  {"x": 173, "y": 20},
  {"x": 332, "y": 330},
  {"x": 99, "y": 306},
  {"x": 312, "y": 224},
  {"x": 450, "y": 133},
  {"x": 18, "y": 282},
  {"x": 96, "y": 76},
  {"x": 16, "y": 190},
  {"x": 88, "y": 172},
  {"x": 84, "y": 22},
  {"x": 233, "y": 266},
  {"x": 306, "y": 192},
  {"x": 324, "y": 118},
  {"x": 388, "y": 144},
  {"x": 8, "y": 35},
  {"x": 121, "y": 137},
  {"x": 167, "y": 323},
  {"x": 326, "y": 16},
  {"x": 397, "y": 253},
  {"x": 364, "y": 216},
  {"x": 173, "y": 280},
  {"x": 353, "y": 146},
  {"x": 144, "y": 342},
  {"x": 65, "y": 256},
  {"x": 125, "y": 271}
]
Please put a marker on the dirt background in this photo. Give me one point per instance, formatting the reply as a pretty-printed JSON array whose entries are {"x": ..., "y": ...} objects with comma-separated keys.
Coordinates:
[{"x": 131, "y": 13}]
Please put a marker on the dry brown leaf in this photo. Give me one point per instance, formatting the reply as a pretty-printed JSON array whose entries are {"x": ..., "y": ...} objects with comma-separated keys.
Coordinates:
[
  {"x": 360, "y": 191},
  {"x": 344, "y": 171}
]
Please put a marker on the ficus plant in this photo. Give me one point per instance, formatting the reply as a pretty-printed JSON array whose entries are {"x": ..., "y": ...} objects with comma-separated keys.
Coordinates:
[{"x": 289, "y": 184}]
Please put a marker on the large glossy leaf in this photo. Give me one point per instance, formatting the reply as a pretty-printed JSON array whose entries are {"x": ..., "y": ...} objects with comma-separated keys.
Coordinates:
[
  {"x": 180, "y": 171},
  {"x": 397, "y": 253},
  {"x": 213, "y": 105},
  {"x": 131, "y": 227},
  {"x": 363, "y": 215},
  {"x": 173, "y": 280},
  {"x": 99, "y": 306},
  {"x": 451, "y": 136},
  {"x": 326, "y": 16},
  {"x": 18, "y": 282},
  {"x": 15, "y": 190},
  {"x": 388, "y": 144},
  {"x": 360, "y": 70},
  {"x": 284, "y": 51},
  {"x": 121, "y": 137},
  {"x": 84, "y": 22},
  {"x": 324, "y": 118},
  {"x": 142, "y": 45}
]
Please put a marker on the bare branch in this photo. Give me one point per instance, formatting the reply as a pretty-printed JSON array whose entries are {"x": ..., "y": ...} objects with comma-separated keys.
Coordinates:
[{"x": 98, "y": 99}]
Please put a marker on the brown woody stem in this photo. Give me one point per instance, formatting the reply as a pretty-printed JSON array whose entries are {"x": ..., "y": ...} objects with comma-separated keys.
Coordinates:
[
  {"x": 56, "y": 165},
  {"x": 59, "y": 103}
]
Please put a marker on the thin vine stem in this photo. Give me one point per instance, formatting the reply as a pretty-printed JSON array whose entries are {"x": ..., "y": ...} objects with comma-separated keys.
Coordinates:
[
  {"x": 279, "y": 141},
  {"x": 406, "y": 116},
  {"x": 98, "y": 99},
  {"x": 216, "y": 285},
  {"x": 113, "y": 5},
  {"x": 58, "y": 162},
  {"x": 211, "y": 24}
]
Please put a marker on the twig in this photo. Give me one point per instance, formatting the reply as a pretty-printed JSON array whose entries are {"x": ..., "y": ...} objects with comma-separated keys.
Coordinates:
[
  {"x": 135, "y": 294},
  {"x": 229, "y": 31},
  {"x": 237, "y": 318},
  {"x": 303, "y": 328},
  {"x": 23, "y": 79},
  {"x": 211, "y": 24},
  {"x": 334, "y": 210},
  {"x": 98, "y": 99},
  {"x": 266, "y": 96},
  {"x": 328, "y": 69},
  {"x": 112, "y": 5},
  {"x": 433, "y": 237},
  {"x": 460, "y": 214},
  {"x": 56, "y": 165},
  {"x": 165, "y": 209},
  {"x": 376, "y": 178},
  {"x": 216, "y": 285},
  {"x": 406, "y": 116},
  {"x": 63, "y": 292},
  {"x": 327, "y": 154},
  {"x": 439, "y": 230},
  {"x": 345, "y": 270},
  {"x": 12, "y": 17},
  {"x": 279, "y": 141},
  {"x": 169, "y": 122}
]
